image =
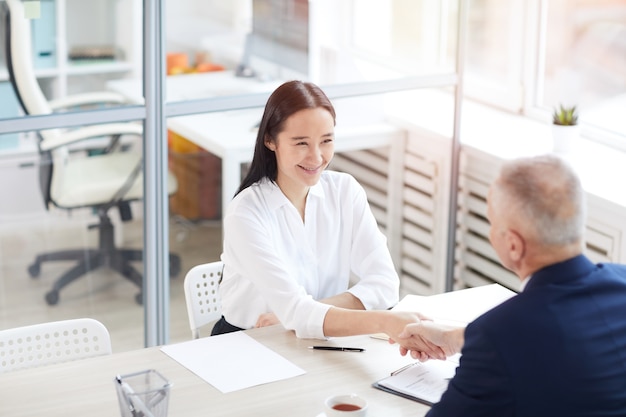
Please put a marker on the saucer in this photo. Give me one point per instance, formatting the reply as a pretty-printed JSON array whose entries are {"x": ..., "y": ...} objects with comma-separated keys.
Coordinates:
[{"x": 322, "y": 414}]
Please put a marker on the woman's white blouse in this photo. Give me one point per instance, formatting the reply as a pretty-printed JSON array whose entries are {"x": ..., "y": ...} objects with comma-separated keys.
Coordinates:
[{"x": 275, "y": 262}]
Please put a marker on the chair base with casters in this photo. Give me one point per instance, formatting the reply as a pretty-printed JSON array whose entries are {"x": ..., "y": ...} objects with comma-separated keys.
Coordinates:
[{"x": 106, "y": 255}]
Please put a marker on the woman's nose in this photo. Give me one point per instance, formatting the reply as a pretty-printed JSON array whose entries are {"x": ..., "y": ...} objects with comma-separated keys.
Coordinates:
[{"x": 315, "y": 153}]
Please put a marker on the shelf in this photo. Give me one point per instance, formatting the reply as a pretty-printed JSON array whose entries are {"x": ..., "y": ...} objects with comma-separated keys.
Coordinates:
[
  {"x": 41, "y": 73},
  {"x": 27, "y": 147},
  {"x": 47, "y": 72},
  {"x": 97, "y": 67},
  {"x": 74, "y": 69}
]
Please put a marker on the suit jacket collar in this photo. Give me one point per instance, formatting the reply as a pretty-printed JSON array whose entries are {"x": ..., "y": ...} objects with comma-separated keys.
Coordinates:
[{"x": 561, "y": 272}]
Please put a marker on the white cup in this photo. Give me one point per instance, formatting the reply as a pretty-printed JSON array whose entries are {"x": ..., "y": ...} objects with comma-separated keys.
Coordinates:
[{"x": 349, "y": 405}]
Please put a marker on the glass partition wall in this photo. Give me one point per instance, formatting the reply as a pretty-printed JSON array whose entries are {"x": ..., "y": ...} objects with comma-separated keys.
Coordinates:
[
  {"x": 197, "y": 78},
  {"x": 70, "y": 153}
]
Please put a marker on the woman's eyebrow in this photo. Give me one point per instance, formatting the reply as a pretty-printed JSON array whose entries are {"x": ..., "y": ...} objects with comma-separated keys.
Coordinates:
[{"x": 325, "y": 135}]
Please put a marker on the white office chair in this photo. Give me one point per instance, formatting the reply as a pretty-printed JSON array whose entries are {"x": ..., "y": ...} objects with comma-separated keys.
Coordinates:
[
  {"x": 202, "y": 295},
  {"x": 109, "y": 178},
  {"x": 52, "y": 342}
]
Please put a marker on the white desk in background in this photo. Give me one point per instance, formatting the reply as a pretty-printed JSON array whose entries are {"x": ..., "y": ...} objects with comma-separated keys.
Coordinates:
[
  {"x": 85, "y": 387},
  {"x": 231, "y": 135}
]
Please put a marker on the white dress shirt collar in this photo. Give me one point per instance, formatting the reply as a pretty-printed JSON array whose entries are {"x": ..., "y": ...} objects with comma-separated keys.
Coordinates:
[
  {"x": 276, "y": 198},
  {"x": 524, "y": 283}
]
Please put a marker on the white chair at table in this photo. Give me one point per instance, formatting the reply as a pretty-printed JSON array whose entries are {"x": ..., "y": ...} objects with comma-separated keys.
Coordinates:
[
  {"x": 52, "y": 342},
  {"x": 202, "y": 295}
]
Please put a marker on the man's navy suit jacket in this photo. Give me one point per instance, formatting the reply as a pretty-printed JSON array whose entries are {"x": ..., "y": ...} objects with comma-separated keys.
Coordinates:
[{"x": 556, "y": 349}]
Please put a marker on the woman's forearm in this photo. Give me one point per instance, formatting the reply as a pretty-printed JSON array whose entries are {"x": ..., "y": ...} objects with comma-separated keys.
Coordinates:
[
  {"x": 344, "y": 300},
  {"x": 345, "y": 322}
]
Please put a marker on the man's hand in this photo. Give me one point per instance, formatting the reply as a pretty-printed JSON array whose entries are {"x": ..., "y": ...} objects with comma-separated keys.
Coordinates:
[
  {"x": 426, "y": 348},
  {"x": 449, "y": 338},
  {"x": 267, "y": 319}
]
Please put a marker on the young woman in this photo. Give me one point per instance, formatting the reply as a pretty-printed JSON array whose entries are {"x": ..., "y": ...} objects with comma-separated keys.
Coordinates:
[{"x": 295, "y": 233}]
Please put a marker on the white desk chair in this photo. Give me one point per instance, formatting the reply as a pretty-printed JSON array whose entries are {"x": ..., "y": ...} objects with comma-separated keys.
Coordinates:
[
  {"x": 108, "y": 179},
  {"x": 202, "y": 295},
  {"x": 52, "y": 342}
]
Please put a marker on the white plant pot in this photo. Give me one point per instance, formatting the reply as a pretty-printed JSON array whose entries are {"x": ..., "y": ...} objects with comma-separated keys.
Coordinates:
[{"x": 565, "y": 138}]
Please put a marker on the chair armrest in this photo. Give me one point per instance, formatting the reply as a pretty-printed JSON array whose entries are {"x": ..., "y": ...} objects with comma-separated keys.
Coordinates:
[
  {"x": 101, "y": 97},
  {"x": 88, "y": 132}
]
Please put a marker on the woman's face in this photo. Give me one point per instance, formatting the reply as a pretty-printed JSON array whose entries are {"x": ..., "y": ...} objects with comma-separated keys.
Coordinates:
[{"x": 303, "y": 149}]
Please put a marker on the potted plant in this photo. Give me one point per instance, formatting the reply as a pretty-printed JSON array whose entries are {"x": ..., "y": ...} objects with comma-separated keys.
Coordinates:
[{"x": 565, "y": 128}]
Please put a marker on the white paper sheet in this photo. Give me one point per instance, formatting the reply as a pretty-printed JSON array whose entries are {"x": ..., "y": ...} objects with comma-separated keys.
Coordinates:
[
  {"x": 232, "y": 361},
  {"x": 458, "y": 307}
]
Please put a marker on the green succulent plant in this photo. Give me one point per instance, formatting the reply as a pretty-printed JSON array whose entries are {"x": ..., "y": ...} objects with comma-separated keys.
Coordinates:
[{"x": 565, "y": 116}]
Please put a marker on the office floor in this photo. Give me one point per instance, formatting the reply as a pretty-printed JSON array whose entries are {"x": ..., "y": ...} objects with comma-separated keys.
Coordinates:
[{"x": 103, "y": 294}]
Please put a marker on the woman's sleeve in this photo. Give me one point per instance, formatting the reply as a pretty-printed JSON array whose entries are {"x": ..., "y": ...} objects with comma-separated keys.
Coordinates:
[{"x": 250, "y": 253}]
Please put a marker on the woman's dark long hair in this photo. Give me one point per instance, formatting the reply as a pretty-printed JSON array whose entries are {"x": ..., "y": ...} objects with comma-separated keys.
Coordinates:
[{"x": 289, "y": 98}]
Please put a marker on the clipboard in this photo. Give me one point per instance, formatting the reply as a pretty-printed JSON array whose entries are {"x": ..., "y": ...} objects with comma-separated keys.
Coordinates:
[{"x": 424, "y": 382}]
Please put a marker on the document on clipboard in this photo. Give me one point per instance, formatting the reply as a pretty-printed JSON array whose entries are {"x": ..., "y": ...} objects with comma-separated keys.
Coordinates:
[{"x": 424, "y": 382}]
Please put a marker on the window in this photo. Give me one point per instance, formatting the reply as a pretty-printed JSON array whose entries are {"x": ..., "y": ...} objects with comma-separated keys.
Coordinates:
[
  {"x": 585, "y": 60},
  {"x": 529, "y": 56},
  {"x": 493, "y": 58},
  {"x": 522, "y": 56},
  {"x": 404, "y": 37}
]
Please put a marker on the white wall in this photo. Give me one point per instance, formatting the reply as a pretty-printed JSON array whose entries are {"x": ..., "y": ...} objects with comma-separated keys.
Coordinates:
[{"x": 191, "y": 22}]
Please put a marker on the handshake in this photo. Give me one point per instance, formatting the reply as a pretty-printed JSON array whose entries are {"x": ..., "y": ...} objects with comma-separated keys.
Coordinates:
[{"x": 426, "y": 339}]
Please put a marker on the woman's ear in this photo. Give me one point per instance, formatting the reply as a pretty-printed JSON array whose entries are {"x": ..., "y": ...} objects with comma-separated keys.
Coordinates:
[{"x": 270, "y": 144}]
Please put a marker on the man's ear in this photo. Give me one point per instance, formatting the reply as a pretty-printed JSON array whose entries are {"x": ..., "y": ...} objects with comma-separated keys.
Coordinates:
[{"x": 516, "y": 245}]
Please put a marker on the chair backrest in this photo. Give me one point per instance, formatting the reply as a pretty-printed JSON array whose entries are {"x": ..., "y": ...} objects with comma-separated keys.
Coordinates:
[
  {"x": 20, "y": 60},
  {"x": 202, "y": 295},
  {"x": 52, "y": 342},
  {"x": 20, "y": 66}
]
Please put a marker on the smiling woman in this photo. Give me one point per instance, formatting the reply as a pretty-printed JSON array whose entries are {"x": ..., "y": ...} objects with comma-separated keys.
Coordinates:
[
  {"x": 289, "y": 232},
  {"x": 296, "y": 233},
  {"x": 303, "y": 150}
]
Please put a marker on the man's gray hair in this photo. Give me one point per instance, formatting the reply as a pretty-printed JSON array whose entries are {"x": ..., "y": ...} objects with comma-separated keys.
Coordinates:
[{"x": 547, "y": 195}]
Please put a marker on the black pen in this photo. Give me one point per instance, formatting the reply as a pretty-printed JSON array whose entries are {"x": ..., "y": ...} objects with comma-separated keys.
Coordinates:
[
  {"x": 404, "y": 368},
  {"x": 341, "y": 349}
]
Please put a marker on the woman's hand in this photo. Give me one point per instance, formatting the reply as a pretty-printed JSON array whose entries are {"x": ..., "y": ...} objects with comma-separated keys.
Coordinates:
[
  {"x": 424, "y": 348},
  {"x": 267, "y": 319},
  {"x": 449, "y": 338}
]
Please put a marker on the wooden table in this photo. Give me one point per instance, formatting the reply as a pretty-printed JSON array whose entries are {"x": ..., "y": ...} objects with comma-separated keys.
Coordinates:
[{"x": 85, "y": 387}]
